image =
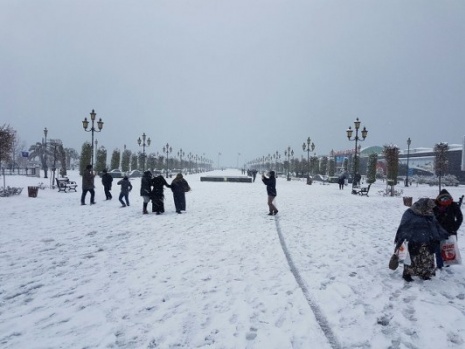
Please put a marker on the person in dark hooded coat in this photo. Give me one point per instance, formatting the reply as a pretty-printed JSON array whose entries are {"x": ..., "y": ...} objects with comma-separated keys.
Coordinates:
[
  {"x": 179, "y": 187},
  {"x": 449, "y": 216},
  {"x": 145, "y": 190},
  {"x": 157, "y": 196},
  {"x": 423, "y": 232},
  {"x": 270, "y": 183}
]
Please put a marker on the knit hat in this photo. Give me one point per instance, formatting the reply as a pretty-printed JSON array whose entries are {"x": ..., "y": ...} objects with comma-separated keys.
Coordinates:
[{"x": 444, "y": 198}]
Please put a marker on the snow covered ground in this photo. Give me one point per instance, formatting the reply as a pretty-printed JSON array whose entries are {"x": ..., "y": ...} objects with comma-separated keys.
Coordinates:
[{"x": 222, "y": 275}]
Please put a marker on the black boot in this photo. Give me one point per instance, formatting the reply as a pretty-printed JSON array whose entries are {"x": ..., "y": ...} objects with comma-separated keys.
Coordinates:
[{"x": 144, "y": 208}]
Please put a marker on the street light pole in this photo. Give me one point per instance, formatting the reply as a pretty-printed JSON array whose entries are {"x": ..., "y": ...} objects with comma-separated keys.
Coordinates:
[
  {"x": 364, "y": 133},
  {"x": 85, "y": 124},
  {"x": 142, "y": 143},
  {"x": 288, "y": 153},
  {"x": 181, "y": 154},
  {"x": 45, "y": 153},
  {"x": 409, "y": 141},
  {"x": 309, "y": 146},
  {"x": 167, "y": 149}
]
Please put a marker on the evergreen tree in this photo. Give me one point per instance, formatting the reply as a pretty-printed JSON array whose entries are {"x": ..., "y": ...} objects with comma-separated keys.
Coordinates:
[
  {"x": 134, "y": 160},
  {"x": 323, "y": 165},
  {"x": 126, "y": 160},
  {"x": 391, "y": 154},
  {"x": 115, "y": 159},
  {"x": 440, "y": 160},
  {"x": 332, "y": 167},
  {"x": 86, "y": 157},
  {"x": 101, "y": 159},
  {"x": 371, "y": 168}
]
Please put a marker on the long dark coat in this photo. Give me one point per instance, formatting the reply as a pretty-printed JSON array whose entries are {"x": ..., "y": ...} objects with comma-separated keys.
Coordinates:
[
  {"x": 179, "y": 187},
  {"x": 157, "y": 195}
]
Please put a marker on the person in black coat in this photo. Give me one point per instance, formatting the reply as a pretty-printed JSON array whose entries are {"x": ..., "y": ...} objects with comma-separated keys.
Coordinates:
[
  {"x": 179, "y": 187},
  {"x": 270, "y": 183},
  {"x": 449, "y": 216},
  {"x": 157, "y": 196},
  {"x": 423, "y": 232},
  {"x": 146, "y": 190},
  {"x": 107, "y": 179}
]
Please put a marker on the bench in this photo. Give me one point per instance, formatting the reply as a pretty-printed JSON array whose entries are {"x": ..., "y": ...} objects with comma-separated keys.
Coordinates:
[
  {"x": 363, "y": 191},
  {"x": 64, "y": 184}
]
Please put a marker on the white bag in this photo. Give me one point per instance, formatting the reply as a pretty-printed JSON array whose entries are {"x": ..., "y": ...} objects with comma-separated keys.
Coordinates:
[
  {"x": 450, "y": 251},
  {"x": 404, "y": 255}
]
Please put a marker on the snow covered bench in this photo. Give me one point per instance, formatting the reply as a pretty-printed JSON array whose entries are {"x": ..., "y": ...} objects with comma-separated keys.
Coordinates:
[{"x": 64, "y": 184}]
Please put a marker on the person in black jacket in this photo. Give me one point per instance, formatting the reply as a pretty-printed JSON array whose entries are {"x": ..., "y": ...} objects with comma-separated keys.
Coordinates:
[
  {"x": 270, "y": 183},
  {"x": 179, "y": 187},
  {"x": 107, "y": 179},
  {"x": 126, "y": 187},
  {"x": 146, "y": 189},
  {"x": 157, "y": 195},
  {"x": 449, "y": 216}
]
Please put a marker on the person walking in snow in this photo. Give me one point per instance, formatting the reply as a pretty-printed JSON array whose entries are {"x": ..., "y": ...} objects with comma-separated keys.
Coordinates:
[
  {"x": 107, "y": 179},
  {"x": 145, "y": 190},
  {"x": 423, "y": 232},
  {"x": 157, "y": 196},
  {"x": 449, "y": 216},
  {"x": 270, "y": 183},
  {"x": 88, "y": 185},
  {"x": 179, "y": 187},
  {"x": 126, "y": 187}
]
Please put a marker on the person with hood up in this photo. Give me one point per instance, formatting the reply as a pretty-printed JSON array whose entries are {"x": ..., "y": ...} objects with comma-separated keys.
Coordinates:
[
  {"x": 449, "y": 216},
  {"x": 423, "y": 232},
  {"x": 270, "y": 183},
  {"x": 158, "y": 183},
  {"x": 88, "y": 185},
  {"x": 107, "y": 179},
  {"x": 126, "y": 187},
  {"x": 146, "y": 189},
  {"x": 179, "y": 187}
]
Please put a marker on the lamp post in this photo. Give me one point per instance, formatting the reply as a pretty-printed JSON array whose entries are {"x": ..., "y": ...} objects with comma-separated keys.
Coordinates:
[
  {"x": 45, "y": 152},
  {"x": 289, "y": 152},
  {"x": 181, "y": 154},
  {"x": 364, "y": 133},
  {"x": 309, "y": 146},
  {"x": 143, "y": 143},
  {"x": 190, "y": 157},
  {"x": 409, "y": 141},
  {"x": 167, "y": 149},
  {"x": 85, "y": 124},
  {"x": 276, "y": 156}
]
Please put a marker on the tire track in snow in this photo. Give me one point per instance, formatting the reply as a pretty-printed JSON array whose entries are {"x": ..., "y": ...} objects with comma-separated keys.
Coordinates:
[{"x": 320, "y": 318}]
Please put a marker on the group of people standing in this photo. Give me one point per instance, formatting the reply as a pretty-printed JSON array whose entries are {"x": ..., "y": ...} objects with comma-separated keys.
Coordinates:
[
  {"x": 424, "y": 225},
  {"x": 152, "y": 189}
]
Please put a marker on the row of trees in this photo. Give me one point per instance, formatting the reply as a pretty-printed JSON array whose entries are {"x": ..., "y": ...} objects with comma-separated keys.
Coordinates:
[{"x": 126, "y": 160}]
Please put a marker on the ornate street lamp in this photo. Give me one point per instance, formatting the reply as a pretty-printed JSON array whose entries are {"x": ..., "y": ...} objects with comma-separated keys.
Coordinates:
[
  {"x": 45, "y": 153},
  {"x": 85, "y": 124},
  {"x": 167, "y": 149},
  {"x": 364, "y": 133},
  {"x": 289, "y": 152},
  {"x": 308, "y": 147},
  {"x": 143, "y": 143},
  {"x": 409, "y": 141},
  {"x": 276, "y": 156},
  {"x": 181, "y": 154}
]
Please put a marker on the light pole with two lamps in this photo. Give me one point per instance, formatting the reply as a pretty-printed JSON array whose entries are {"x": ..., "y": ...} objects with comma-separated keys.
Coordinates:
[
  {"x": 289, "y": 152},
  {"x": 309, "y": 146},
  {"x": 181, "y": 154},
  {"x": 85, "y": 124},
  {"x": 142, "y": 142},
  {"x": 167, "y": 150},
  {"x": 364, "y": 133}
]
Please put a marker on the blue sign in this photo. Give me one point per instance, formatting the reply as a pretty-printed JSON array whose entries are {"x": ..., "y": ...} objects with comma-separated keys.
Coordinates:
[
  {"x": 25, "y": 154},
  {"x": 410, "y": 171}
]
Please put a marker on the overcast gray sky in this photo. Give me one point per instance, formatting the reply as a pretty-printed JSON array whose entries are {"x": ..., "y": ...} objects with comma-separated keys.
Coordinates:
[{"x": 244, "y": 76}]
